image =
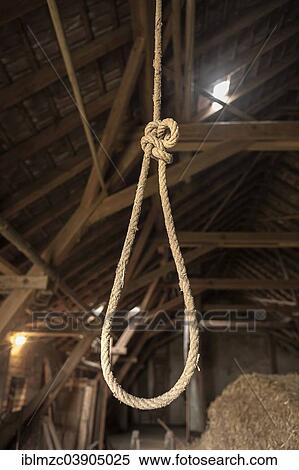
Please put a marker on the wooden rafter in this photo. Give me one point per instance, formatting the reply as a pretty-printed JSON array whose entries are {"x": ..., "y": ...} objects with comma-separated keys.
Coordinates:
[
  {"x": 247, "y": 284},
  {"x": 8, "y": 283},
  {"x": 252, "y": 84},
  {"x": 69, "y": 234},
  {"x": 23, "y": 246},
  {"x": 52, "y": 133},
  {"x": 239, "y": 239},
  {"x": 67, "y": 58},
  {"x": 189, "y": 59},
  {"x": 37, "y": 81}
]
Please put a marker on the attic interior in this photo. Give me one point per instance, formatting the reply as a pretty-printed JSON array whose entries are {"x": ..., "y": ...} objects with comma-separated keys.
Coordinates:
[{"x": 76, "y": 85}]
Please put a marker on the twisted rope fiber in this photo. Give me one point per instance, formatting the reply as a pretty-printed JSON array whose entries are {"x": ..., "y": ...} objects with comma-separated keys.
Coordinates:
[{"x": 159, "y": 136}]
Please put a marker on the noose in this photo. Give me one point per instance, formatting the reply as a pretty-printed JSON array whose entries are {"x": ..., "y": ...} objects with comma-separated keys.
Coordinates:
[{"x": 159, "y": 137}]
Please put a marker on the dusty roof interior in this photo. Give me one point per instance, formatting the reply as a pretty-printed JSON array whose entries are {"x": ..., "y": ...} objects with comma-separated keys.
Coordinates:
[{"x": 45, "y": 160}]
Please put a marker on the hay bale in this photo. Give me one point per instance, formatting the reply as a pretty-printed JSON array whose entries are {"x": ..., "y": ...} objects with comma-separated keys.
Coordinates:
[{"x": 254, "y": 412}]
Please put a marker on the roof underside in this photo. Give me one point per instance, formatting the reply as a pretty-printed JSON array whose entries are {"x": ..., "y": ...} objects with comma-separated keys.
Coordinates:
[{"x": 45, "y": 160}]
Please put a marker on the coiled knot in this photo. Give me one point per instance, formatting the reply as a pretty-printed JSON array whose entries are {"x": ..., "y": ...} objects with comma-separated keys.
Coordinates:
[{"x": 159, "y": 136}]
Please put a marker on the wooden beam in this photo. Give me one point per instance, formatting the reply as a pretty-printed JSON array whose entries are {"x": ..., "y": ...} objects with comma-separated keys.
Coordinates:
[
  {"x": 67, "y": 58},
  {"x": 45, "y": 76},
  {"x": 255, "y": 13},
  {"x": 189, "y": 58},
  {"x": 259, "y": 146},
  {"x": 244, "y": 284},
  {"x": 7, "y": 268},
  {"x": 65, "y": 239},
  {"x": 229, "y": 107},
  {"x": 52, "y": 180},
  {"x": 228, "y": 325},
  {"x": 239, "y": 239},
  {"x": 53, "y": 433},
  {"x": 12, "y": 10},
  {"x": 48, "y": 393},
  {"x": 247, "y": 306},
  {"x": 251, "y": 85},
  {"x": 124, "y": 198},
  {"x": 104, "y": 395},
  {"x": 50, "y": 134},
  {"x": 23, "y": 246},
  {"x": 142, "y": 12},
  {"x": 129, "y": 332},
  {"x": 192, "y": 136},
  {"x": 177, "y": 53},
  {"x": 8, "y": 232},
  {"x": 23, "y": 282},
  {"x": 157, "y": 273},
  {"x": 211, "y": 74},
  {"x": 116, "y": 117},
  {"x": 69, "y": 234},
  {"x": 251, "y": 131}
]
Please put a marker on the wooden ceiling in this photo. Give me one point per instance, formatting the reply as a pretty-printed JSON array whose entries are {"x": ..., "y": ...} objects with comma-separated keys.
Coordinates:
[{"x": 235, "y": 170}]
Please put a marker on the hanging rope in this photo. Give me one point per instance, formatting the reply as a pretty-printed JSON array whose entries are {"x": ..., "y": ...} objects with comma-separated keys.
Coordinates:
[{"x": 159, "y": 137}]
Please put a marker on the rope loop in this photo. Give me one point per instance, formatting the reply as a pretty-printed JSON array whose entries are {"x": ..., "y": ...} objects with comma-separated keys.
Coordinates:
[{"x": 159, "y": 136}]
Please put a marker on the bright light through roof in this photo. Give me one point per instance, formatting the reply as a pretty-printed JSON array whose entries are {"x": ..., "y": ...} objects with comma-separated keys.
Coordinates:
[
  {"x": 220, "y": 91},
  {"x": 19, "y": 340}
]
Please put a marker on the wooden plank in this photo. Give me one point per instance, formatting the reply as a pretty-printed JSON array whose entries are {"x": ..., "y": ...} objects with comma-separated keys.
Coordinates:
[
  {"x": 23, "y": 282},
  {"x": 177, "y": 53},
  {"x": 7, "y": 268},
  {"x": 259, "y": 146},
  {"x": 287, "y": 130},
  {"x": 142, "y": 12},
  {"x": 67, "y": 58},
  {"x": 116, "y": 116},
  {"x": 129, "y": 332},
  {"x": 247, "y": 306},
  {"x": 252, "y": 84},
  {"x": 210, "y": 74},
  {"x": 47, "y": 435},
  {"x": 214, "y": 39},
  {"x": 45, "y": 76},
  {"x": 50, "y": 134},
  {"x": 68, "y": 235},
  {"x": 48, "y": 393},
  {"x": 84, "y": 417},
  {"x": 55, "y": 439},
  {"x": 9, "y": 11},
  {"x": 149, "y": 277},
  {"x": 244, "y": 284},
  {"x": 124, "y": 198},
  {"x": 39, "y": 189},
  {"x": 228, "y": 107},
  {"x": 252, "y": 131},
  {"x": 189, "y": 58},
  {"x": 104, "y": 395},
  {"x": 239, "y": 239},
  {"x": 228, "y": 325}
]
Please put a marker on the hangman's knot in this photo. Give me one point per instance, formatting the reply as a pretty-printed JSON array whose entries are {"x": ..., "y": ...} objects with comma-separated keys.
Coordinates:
[{"x": 159, "y": 136}]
